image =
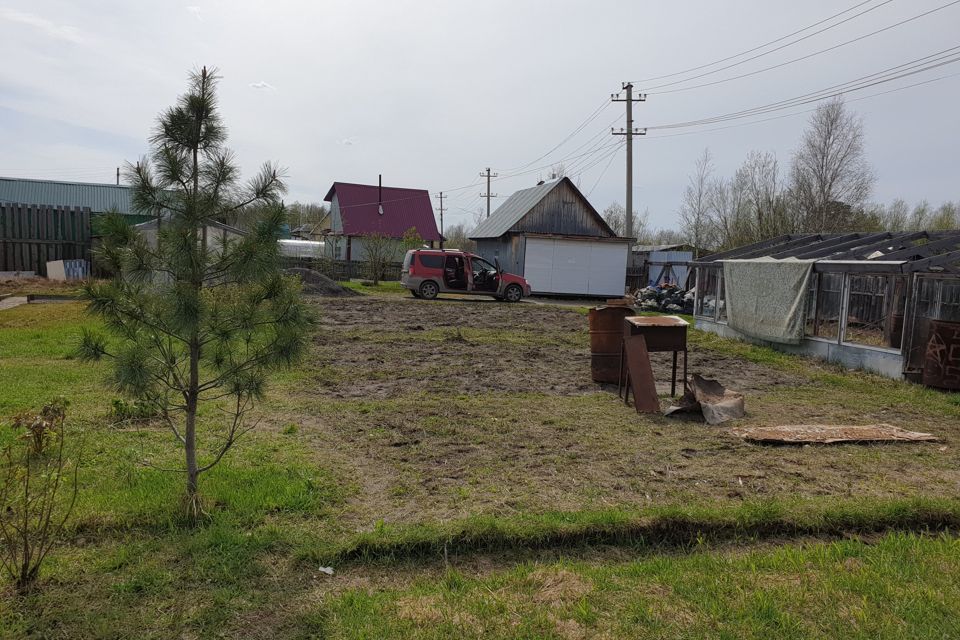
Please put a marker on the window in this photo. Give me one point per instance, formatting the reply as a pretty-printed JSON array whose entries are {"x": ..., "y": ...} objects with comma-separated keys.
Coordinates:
[
  {"x": 707, "y": 285},
  {"x": 874, "y": 310},
  {"x": 826, "y": 322},
  {"x": 431, "y": 261}
]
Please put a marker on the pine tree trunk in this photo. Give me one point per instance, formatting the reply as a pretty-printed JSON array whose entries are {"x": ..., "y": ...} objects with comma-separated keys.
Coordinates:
[{"x": 190, "y": 430}]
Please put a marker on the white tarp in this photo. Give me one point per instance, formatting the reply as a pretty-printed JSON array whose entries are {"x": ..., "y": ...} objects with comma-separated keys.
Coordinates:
[{"x": 766, "y": 298}]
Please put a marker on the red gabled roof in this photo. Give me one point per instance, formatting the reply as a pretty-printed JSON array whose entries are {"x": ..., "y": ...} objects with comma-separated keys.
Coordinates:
[{"x": 402, "y": 209}]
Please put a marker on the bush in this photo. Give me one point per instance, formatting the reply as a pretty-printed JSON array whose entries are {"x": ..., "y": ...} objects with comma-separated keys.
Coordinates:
[
  {"x": 137, "y": 411},
  {"x": 35, "y": 470}
]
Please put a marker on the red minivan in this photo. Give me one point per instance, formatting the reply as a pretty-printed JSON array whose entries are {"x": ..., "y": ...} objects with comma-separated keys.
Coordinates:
[{"x": 428, "y": 272}]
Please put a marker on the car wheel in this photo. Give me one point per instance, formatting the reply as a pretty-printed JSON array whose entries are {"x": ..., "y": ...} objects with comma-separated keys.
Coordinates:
[
  {"x": 429, "y": 290},
  {"x": 513, "y": 293}
]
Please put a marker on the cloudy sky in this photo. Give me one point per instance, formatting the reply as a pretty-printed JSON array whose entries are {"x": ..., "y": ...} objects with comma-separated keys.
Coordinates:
[{"x": 431, "y": 93}]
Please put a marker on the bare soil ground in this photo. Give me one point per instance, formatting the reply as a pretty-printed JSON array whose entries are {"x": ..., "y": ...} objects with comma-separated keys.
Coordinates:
[{"x": 451, "y": 408}]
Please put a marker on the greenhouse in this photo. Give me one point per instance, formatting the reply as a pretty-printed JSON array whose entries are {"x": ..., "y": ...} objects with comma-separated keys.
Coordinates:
[{"x": 885, "y": 302}]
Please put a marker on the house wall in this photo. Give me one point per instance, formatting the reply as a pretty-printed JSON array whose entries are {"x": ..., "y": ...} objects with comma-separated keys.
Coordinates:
[
  {"x": 561, "y": 212},
  {"x": 508, "y": 249}
]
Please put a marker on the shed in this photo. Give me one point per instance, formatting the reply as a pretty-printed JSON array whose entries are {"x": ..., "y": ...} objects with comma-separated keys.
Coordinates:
[
  {"x": 551, "y": 235},
  {"x": 888, "y": 302},
  {"x": 217, "y": 233},
  {"x": 361, "y": 210},
  {"x": 656, "y": 264}
]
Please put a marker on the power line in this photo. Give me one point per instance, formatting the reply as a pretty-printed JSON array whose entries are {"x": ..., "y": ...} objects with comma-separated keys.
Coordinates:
[
  {"x": 788, "y": 62},
  {"x": 757, "y": 48},
  {"x": 593, "y": 116},
  {"x": 800, "y": 113},
  {"x": 918, "y": 65}
]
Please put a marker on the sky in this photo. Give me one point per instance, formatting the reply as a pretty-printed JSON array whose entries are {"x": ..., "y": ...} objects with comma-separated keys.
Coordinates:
[{"x": 430, "y": 93}]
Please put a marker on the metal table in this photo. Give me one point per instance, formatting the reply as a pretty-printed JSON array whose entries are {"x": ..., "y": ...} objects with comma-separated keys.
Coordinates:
[{"x": 661, "y": 333}]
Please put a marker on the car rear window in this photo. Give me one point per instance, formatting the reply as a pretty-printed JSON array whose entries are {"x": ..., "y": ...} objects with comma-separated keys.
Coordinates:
[{"x": 431, "y": 261}]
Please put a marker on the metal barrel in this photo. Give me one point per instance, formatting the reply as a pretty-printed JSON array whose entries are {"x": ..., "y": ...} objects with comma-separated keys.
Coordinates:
[{"x": 606, "y": 333}]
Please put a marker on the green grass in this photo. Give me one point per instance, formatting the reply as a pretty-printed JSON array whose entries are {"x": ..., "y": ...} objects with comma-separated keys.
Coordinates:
[
  {"x": 384, "y": 287},
  {"x": 901, "y": 586},
  {"x": 562, "y": 512}
]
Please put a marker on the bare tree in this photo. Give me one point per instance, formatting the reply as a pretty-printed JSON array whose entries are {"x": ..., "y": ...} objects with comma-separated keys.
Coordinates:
[
  {"x": 760, "y": 176},
  {"x": 830, "y": 168},
  {"x": 457, "y": 237},
  {"x": 730, "y": 219},
  {"x": 695, "y": 211},
  {"x": 615, "y": 217},
  {"x": 380, "y": 250}
]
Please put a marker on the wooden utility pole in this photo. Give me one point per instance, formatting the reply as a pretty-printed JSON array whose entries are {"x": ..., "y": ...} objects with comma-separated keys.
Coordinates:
[
  {"x": 629, "y": 131},
  {"x": 441, "y": 220},
  {"x": 488, "y": 195}
]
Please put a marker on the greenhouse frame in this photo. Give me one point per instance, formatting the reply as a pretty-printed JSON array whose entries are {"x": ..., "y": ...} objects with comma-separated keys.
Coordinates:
[{"x": 887, "y": 302}]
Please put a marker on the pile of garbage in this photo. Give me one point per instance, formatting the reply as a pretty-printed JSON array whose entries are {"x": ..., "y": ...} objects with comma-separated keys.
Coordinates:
[{"x": 666, "y": 298}]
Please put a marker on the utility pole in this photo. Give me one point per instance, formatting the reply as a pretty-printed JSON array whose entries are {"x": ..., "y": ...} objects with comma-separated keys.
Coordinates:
[
  {"x": 630, "y": 131},
  {"x": 441, "y": 220},
  {"x": 488, "y": 195},
  {"x": 118, "y": 176}
]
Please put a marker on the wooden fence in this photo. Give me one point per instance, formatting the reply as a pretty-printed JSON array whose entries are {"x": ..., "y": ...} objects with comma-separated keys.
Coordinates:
[{"x": 31, "y": 235}]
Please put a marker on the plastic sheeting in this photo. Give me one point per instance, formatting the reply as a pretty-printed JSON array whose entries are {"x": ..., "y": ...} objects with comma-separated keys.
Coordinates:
[{"x": 765, "y": 298}]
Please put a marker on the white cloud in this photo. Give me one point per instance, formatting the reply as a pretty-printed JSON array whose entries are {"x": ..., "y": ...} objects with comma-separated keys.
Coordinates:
[
  {"x": 262, "y": 86},
  {"x": 51, "y": 29},
  {"x": 196, "y": 11}
]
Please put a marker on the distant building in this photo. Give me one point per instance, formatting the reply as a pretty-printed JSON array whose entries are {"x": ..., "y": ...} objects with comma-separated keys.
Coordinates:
[
  {"x": 655, "y": 264},
  {"x": 99, "y": 198},
  {"x": 361, "y": 210},
  {"x": 551, "y": 235}
]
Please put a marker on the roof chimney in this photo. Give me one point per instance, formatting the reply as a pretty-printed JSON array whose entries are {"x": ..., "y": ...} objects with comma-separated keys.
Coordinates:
[{"x": 380, "y": 193}]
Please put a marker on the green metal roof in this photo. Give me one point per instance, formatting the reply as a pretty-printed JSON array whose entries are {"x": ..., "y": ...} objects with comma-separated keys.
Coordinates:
[{"x": 98, "y": 197}]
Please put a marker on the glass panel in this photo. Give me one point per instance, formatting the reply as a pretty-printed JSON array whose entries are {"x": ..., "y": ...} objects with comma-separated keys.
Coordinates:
[
  {"x": 722, "y": 299},
  {"x": 707, "y": 293},
  {"x": 867, "y": 310},
  {"x": 827, "y": 321},
  {"x": 950, "y": 301},
  {"x": 924, "y": 307},
  {"x": 810, "y": 320}
]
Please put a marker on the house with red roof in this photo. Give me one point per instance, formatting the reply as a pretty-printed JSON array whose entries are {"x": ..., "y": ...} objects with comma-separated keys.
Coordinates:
[{"x": 358, "y": 211}]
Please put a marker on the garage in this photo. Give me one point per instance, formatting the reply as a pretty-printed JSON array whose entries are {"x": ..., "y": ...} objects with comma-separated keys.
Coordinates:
[
  {"x": 589, "y": 267},
  {"x": 551, "y": 235}
]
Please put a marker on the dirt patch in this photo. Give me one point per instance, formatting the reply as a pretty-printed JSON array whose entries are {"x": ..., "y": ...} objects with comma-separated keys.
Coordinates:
[
  {"x": 481, "y": 347},
  {"x": 317, "y": 284},
  {"x": 448, "y": 409},
  {"x": 559, "y": 588}
]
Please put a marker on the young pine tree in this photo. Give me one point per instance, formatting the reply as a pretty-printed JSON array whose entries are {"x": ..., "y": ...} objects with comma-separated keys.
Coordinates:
[{"x": 196, "y": 315}]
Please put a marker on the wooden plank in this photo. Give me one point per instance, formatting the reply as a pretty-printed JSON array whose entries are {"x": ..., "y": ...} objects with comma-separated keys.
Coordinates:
[
  {"x": 640, "y": 375},
  {"x": 739, "y": 251}
]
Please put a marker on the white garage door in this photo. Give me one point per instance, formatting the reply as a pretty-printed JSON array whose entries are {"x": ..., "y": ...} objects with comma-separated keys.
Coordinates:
[{"x": 580, "y": 267}]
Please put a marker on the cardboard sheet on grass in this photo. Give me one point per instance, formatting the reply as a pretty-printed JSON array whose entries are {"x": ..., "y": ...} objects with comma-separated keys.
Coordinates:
[
  {"x": 829, "y": 434},
  {"x": 766, "y": 298},
  {"x": 717, "y": 403}
]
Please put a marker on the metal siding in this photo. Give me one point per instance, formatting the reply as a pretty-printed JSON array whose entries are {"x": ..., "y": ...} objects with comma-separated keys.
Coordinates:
[
  {"x": 575, "y": 267},
  {"x": 96, "y": 197},
  {"x": 655, "y": 272}
]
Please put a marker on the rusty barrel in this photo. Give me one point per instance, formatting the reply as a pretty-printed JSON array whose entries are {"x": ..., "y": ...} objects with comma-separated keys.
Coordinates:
[{"x": 606, "y": 332}]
